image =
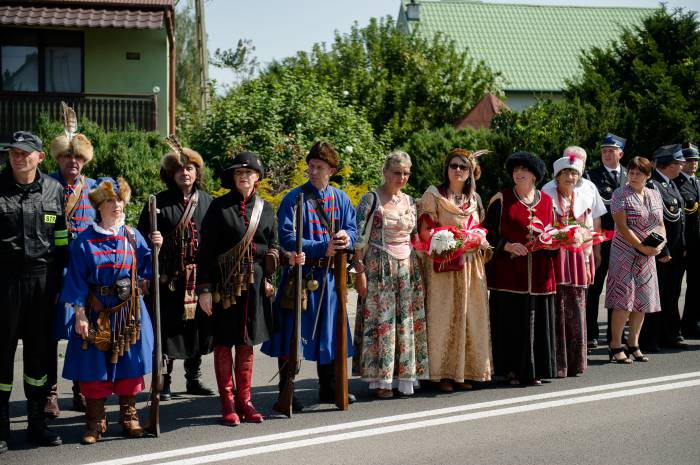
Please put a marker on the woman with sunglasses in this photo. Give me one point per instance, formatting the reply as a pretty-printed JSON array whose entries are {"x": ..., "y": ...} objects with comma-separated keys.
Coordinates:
[
  {"x": 459, "y": 343},
  {"x": 390, "y": 334},
  {"x": 522, "y": 281}
]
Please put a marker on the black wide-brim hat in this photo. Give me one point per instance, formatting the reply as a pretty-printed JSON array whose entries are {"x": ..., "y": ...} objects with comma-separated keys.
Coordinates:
[
  {"x": 531, "y": 161},
  {"x": 243, "y": 160}
]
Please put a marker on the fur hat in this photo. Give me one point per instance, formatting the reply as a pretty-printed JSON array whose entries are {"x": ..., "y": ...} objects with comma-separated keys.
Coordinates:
[
  {"x": 171, "y": 163},
  {"x": 107, "y": 189},
  {"x": 78, "y": 145},
  {"x": 571, "y": 162},
  {"x": 532, "y": 162},
  {"x": 323, "y": 151}
]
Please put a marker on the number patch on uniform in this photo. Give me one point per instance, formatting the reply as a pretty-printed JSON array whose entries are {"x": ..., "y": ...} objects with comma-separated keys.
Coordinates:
[{"x": 51, "y": 219}]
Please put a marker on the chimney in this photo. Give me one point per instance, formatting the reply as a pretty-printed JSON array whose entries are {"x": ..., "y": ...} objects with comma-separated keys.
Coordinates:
[{"x": 413, "y": 11}]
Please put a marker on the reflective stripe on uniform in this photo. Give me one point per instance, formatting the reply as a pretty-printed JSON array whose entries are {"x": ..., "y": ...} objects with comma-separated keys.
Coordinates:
[
  {"x": 61, "y": 237},
  {"x": 5, "y": 387},
  {"x": 36, "y": 382}
]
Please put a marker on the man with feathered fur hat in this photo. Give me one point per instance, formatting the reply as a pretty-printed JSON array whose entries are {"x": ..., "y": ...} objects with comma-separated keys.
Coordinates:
[
  {"x": 71, "y": 153},
  {"x": 186, "y": 331}
]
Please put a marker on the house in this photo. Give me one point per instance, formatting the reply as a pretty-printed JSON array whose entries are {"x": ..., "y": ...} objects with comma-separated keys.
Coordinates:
[
  {"x": 111, "y": 60},
  {"x": 535, "y": 47},
  {"x": 481, "y": 114}
]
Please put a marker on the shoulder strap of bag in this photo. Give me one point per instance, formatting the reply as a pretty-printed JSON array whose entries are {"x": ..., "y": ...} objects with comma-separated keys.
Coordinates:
[
  {"x": 247, "y": 238},
  {"x": 370, "y": 216},
  {"x": 189, "y": 211},
  {"x": 320, "y": 211},
  {"x": 74, "y": 198}
]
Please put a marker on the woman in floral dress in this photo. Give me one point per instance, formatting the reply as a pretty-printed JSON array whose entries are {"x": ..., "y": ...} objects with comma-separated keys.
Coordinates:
[
  {"x": 459, "y": 341},
  {"x": 390, "y": 334},
  {"x": 632, "y": 288}
]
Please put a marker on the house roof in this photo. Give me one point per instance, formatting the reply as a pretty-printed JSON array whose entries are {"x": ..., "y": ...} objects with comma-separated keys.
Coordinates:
[
  {"x": 80, "y": 17},
  {"x": 535, "y": 47},
  {"x": 161, "y": 4},
  {"x": 482, "y": 113}
]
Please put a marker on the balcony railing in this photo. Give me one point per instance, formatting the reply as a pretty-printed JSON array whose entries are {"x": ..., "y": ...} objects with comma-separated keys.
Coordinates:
[{"x": 21, "y": 110}]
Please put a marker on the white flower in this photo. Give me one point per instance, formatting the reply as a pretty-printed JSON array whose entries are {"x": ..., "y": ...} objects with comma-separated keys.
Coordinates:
[
  {"x": 345, "y": 93},
  {"x": 441, "y": 242},
  {"x": 348, "y": 149}
]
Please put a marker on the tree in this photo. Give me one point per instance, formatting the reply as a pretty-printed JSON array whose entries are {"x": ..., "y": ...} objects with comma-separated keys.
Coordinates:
[
  {"x": 403, "y": 83},
  {"x": 187, "y": 75},
  {"x": 240, "y": 60},
  {"x": 280, "y": 118},
  {"x": 648, "y": 82}
]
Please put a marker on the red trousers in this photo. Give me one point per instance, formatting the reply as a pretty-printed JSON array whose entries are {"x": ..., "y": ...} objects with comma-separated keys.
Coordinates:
[{"x": 120, "y": 387}]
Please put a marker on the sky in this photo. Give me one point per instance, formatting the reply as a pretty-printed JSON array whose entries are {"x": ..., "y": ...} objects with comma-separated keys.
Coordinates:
[{"x": 280, "y": 28}]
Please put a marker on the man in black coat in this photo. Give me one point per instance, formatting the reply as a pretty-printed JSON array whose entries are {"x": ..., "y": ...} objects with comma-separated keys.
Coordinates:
[
  {"x": 662, "y": 329},
  {"x": 607, "y": 177},
  {"x": 689, "y": 187}
]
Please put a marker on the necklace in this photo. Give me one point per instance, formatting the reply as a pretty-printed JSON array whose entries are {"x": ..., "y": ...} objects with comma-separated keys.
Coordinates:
[{"x": 566, "y": 214}]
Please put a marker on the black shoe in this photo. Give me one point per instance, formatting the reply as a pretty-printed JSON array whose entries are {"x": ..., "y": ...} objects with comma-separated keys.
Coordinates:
[
  {"x": 4, "y": 426},
  {"x": 691, "y": 333},
  {"x": 37, "y": 431},
  {"x": 593, "y": 344},
  {"x": 677, "y": 345},
  {"x": 297, "y": 406},
  {"x": 196, "y": 388},
  {"x": 165, "y": 393},
  {"x": 3, "y": 447},
  {"x": 651, "y": 348},
  {"x": 326, "y": 397}
]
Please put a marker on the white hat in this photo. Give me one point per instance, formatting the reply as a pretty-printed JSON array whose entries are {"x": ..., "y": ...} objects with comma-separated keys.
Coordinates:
[{"x": 569, "y": 162}]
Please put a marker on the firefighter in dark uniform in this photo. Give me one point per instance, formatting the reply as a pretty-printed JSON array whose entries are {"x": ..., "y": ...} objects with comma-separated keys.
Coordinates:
[
  {"x": 663, "y": 329},
  {"x": 33, "y": 240},
  {"x": 607, "y": 177},
  {"x": 689, "y": 187}
]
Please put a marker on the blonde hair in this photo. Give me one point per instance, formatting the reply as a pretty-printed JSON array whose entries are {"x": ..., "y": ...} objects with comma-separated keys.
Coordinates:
[{"x": 397, "y": 157}]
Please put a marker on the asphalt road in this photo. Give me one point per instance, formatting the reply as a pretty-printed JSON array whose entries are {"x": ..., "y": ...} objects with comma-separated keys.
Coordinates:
[{"x": 644, "y": 413}]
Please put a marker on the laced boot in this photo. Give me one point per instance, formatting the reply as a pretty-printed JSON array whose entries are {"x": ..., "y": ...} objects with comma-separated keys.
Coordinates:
[
  {"x": 223, "y": 368},
  {"x": 4, "y": 425},
  {"x": 51, "y": 409},
  {"x": 79, "y": 404},
  {"x": 244, "y": 378},
  {"x": 96, "y": 421},
  {"x": 193, "y": 375},
  {"x": 37, "y": 431},
  {"x": 129, "y": 417}
]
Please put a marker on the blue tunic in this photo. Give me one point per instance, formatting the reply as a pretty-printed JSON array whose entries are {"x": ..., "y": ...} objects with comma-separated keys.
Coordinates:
[
  {"x": 83, "y": 214},
  {"x": 98, "y": 258},
  {"x": 314, "y": 244}
]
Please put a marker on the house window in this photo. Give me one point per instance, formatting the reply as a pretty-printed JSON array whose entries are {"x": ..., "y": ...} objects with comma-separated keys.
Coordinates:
[{"x": 41, "y": 60}]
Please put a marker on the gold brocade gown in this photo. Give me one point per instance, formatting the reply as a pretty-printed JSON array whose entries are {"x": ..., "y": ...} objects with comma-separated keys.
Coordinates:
[{"x": 457, "y": 309}]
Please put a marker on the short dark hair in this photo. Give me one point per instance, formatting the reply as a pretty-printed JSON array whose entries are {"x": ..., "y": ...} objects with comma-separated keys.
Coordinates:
[{"x": 640, "y": 164}]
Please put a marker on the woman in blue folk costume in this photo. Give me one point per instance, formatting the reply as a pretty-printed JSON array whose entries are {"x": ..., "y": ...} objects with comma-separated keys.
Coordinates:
[
  {"x": 319, "y": 245},
  {"x": 110, "y": 349}
]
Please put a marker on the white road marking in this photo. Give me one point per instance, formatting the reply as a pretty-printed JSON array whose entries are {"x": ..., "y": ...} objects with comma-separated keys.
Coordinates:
[{"x": 371, "y": 422}]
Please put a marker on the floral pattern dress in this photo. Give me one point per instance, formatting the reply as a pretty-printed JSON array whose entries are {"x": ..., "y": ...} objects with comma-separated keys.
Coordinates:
[{"x": 390, "y": 330}]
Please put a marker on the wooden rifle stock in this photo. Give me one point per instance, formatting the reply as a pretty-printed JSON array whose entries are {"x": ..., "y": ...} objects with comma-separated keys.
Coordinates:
[
  {"x": 153, "y": 425},
  {"x": 341, "y": 334},
  {"x": 291, "y": 367}
]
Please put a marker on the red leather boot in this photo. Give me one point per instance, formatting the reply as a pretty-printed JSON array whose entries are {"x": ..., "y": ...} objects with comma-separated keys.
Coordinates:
[
  {"x": 244, "y": 377},
  {"x": 223, "y": 367}
]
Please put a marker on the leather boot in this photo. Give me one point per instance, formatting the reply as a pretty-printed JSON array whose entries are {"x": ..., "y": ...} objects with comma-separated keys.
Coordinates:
[
  {"x": 326, "y": 381},
  {"x": 244, "y": 378},
  {"x": 129, "y": 417},
  {"x": 4, "y": 425},
  {"x": 297, "y": 406},
  {"x": 51, "y": 409},
  {"x": 37, "y": 432},
  {"x": 165, "y": 393},
  {"x": 223, "y": 368},
  {"x": 96, "y": 421},
  {"x": 193, "y": 375},
  {"x": 79, "y": 404}
]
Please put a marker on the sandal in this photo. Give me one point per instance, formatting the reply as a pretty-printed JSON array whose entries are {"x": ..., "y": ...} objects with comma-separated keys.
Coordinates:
[
  {"x": 618, "y": 350},
  {"x": 637, "y": 358}
]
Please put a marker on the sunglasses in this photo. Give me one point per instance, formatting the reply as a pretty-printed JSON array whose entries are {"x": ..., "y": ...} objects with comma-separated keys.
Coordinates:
[{"x": 458, "y": 166}]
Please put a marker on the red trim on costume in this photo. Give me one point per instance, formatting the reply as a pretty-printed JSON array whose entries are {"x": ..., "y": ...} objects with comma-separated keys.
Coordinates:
[{"x": 105, "y": 239}]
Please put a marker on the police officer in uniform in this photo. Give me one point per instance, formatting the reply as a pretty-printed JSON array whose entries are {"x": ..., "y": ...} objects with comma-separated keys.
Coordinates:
[
  {"x": 33, "y": 240},
  {"x": 689, "y": 187},
  {"x": 607, "y": 177},
  {"x": 662, "y": 329}
]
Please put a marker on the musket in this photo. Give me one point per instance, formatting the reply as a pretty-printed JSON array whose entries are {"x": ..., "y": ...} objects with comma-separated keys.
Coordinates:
[
  {"x": 153, "y": 424},
  {"x": 293, "y": 363},
  {"x": 341, "y": 335}
]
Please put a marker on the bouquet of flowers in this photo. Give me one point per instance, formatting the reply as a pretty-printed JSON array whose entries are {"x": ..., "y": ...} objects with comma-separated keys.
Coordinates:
[
  {"x": 570, "y": 236},
  {"x": 447, "y": 244}
]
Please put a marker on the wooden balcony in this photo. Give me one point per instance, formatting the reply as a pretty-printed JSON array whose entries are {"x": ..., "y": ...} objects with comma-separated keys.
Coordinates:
[{"x": 21, "y": 110}]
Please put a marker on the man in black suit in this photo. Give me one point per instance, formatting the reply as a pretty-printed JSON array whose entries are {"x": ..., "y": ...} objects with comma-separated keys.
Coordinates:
[
  {"x": 607, "y": 177},
  {"x": 663, "y": 329},
  {"x": 689, "y": 187}
]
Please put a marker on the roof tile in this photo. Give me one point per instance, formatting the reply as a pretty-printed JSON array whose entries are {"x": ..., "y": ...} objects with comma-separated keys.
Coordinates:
[{"x": 80, "y": 17}]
